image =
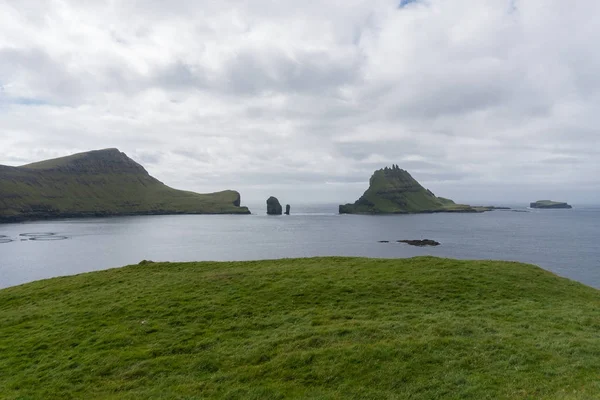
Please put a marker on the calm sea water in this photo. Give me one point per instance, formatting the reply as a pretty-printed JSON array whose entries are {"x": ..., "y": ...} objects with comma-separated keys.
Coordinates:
[{"x": 562, "y": 241}]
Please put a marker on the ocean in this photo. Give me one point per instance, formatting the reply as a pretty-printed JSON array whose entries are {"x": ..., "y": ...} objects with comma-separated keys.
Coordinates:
[{"x": 562, "y": 241}]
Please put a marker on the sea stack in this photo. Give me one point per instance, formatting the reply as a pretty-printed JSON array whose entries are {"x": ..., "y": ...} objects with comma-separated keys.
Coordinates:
[
  {"x": 273, "y": 206},
  {"x": 287, "y": 209}
]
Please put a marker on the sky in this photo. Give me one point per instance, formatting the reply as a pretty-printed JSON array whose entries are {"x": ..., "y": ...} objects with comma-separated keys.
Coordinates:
[{"x": 494, "y": 101}]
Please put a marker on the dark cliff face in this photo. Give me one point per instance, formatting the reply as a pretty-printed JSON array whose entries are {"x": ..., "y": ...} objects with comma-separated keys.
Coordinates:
[
  {"x": 237, "y": 200},
  {"x": 273, "y": 206}
]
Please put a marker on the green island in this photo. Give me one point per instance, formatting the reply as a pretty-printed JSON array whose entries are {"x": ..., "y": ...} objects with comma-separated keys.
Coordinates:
[
  {"x": 320, "y": 328},
  {"x": 395, "y": 191},
  {"x": 549, "y": 204},
  {"x": 99, "y": 183}
]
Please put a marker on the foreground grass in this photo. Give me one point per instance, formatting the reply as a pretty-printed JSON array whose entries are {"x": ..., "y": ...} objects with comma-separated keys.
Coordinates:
[{"x": 327, "y": 328}]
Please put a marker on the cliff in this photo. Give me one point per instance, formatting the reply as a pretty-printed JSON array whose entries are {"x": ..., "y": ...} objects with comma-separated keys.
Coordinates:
[
  {"x": 99, "y": 183},
  {"x": 395, "y": 191},
  {"x": 273, "y": 206}
]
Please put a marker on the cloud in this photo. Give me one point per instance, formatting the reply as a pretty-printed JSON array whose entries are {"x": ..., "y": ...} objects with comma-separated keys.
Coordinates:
[{"x": 489, "y": 100}]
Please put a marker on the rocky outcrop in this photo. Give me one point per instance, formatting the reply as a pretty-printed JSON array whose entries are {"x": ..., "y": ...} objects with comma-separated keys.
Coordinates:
[
  {"x": 395, "y": 191},
  {"x": 420, "y": 242},
  {"x": 99, "y": 183},
  {"x": 287, "y": 209},
  {"x": 549, "y": 204},
  {"x": 273, "y": 206}
]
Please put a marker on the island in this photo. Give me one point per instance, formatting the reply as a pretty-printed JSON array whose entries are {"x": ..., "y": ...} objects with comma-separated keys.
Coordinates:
[
  {"x": 549, "y": 204},
  {"x": 394, "y": 191},
  {"x": 99, "y": 183},
  {"x": 273, "y": 206}
]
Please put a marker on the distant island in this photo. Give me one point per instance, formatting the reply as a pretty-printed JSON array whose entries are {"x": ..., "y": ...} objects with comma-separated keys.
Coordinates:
[
  {"x": 549, "y": 204},
  {"x": 395, "y": 191},
  {"x": 99, "y": 183}
]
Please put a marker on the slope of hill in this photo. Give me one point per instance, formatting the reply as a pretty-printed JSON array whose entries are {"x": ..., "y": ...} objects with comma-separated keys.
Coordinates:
[
  {"x": 98, "y": 183},
  {"x": 395, "y": 191},
  {"x": 321, "y": 328}
]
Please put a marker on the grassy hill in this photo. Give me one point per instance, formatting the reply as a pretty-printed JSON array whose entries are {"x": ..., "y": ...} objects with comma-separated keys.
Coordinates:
[
  {"x": 322, "y": 328},
  {"x": 395, "y": 191},
  {"x": 102, "y": 182}
]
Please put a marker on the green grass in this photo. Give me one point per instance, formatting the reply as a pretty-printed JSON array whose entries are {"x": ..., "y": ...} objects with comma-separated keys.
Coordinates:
[
  {"x": 395, "y": 191},
  {"x": 104, "y": 182},
  {"x": 321, "y": 328}
]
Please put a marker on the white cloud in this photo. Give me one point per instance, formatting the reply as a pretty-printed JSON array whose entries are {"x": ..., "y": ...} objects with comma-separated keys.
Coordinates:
[{"x": 488, "y": 100}]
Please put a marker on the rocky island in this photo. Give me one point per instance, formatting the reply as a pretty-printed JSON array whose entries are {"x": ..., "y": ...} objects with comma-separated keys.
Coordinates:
[
  {"x": 395, "y": 191},
  {"x": 273, "y": 206},
  {"x": 99, "y": 183},
  {"x": 549, "y": 204}
]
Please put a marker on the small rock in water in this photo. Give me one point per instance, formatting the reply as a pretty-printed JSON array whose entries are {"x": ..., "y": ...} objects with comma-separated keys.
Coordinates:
[
  {"x": 420, "y": 243},
  {"x": 384, "y": 241}
]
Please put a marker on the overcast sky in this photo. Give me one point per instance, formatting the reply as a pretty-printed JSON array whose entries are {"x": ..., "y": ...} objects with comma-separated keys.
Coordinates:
[{"x": 481, "y": 100}]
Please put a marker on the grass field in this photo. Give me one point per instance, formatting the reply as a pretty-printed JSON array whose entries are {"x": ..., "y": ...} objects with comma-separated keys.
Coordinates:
[{"x": 320, "y": 328}]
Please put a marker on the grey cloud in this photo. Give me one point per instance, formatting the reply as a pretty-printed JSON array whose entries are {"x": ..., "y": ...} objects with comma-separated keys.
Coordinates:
[
  {"x": 256, "y": 72},
  {"x": 475, "y": 99},
  {"x": 253, "y": 72},
  {"x": 49, "y": 79},
  {"x": 179, "y": 75}
]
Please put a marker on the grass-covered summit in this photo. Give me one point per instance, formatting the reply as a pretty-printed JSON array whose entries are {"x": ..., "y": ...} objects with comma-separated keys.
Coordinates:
[
  {"x": 321, "y": 328},
  {"x": 101, "y": 182},
  {"x": 395, "y": 191}
]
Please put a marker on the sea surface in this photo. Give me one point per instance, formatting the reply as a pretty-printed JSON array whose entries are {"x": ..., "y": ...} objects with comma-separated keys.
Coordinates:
[{"x": 565, "y": 242}]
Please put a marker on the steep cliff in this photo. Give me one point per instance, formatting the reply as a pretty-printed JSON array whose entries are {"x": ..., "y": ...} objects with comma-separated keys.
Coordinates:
[{"x": 273, "y": 206}]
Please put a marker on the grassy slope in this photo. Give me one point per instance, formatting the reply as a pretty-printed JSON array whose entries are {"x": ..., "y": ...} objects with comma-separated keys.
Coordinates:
[
  {"x": 396, "y": 191},
  {"x": 103, "y": 181},
  {"x": 327, "y": 328}
]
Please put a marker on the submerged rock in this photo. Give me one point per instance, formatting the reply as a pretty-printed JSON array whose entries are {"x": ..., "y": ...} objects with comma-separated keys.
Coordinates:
[
  {"x": 273, "y": 206},
  {"x": 420, "y": 243}
]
